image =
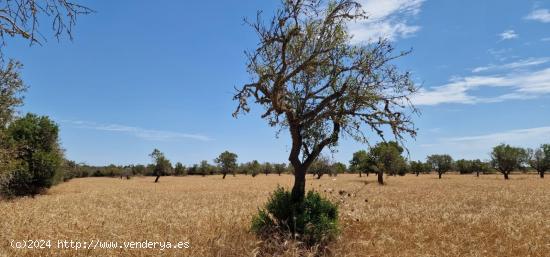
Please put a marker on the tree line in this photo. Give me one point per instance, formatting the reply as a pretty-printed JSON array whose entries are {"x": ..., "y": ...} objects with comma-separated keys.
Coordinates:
[{"x": 387, "y": 158}]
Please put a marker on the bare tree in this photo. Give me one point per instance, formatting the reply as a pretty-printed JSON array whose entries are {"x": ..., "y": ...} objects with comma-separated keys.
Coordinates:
[
  {"x": 312, "y": 81},
  {"x": 22, "y": 18}
]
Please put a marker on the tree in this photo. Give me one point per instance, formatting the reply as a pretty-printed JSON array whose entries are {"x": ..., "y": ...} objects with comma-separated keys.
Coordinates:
[
  {"x": 506, "y": 158},
  {"x": 268, "y": 168},
  {"x": 337, "y": 168},
  {"x": 11, "y": 90},
  {"x": 37, "y": 156},
  {"x": 441, "y": 163},
  {"x": 479, "y": 166},
  {"x": 179, "y": 169},
  {"x": 312, "y": 81},
  {"x": 21, "y": 19},
  {"x": 320, "y": 166},
  {"x": 254, "y": 167},
  {"x": 204, "y": 168},
  {"x": 162, "y": 166},
  {"x": 417, "y": 167},
  {"x": 387, "y": 157},
  {"x": 464, "y": 166},
  {"x": 539, "y": 159},
  {"x": 279, "y": 168},
  {"x": 361, "y": 162},
  {"x": 227, "y": 162}
]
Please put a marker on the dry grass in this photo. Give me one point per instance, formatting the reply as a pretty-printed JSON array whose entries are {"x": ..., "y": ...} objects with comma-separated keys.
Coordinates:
[{"x": 410, "y": 216}]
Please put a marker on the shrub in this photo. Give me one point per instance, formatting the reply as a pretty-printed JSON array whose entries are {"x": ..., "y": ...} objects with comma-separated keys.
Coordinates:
[
  {"x": 313, "y": 221},
  {"x": 38, "y": 158}
]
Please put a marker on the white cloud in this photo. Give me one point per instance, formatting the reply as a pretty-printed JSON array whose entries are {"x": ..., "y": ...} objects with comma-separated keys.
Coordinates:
[
  {"x": 521, "y": 85},
  {"x": 513, "y": 65},
  {"x": 387, "y": 19},
  {"x": 147, "y": 134},
  {"x": 546, "y": 39},
  {"x": 511, "y": 136},
  {"x": 542, "y": 15},
  {"x": 508, "y": 34},
  {"x": 479, "y": 146}
]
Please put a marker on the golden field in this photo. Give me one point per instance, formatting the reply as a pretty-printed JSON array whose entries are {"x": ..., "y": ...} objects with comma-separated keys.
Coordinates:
[{"x": 459, "y": 215}]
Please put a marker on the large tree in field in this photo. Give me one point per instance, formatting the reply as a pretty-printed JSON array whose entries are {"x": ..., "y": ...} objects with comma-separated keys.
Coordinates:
[
  {"x": 227, "y": 162},
  {"x": 161, "y": 165},
  {"x": 23, "y": 19},
  {"x": 387, "y": 158},
  {"x": 506, "y": 158},
  {"x": 313, "y": 82},
  {"x": 539, "y": 159},
  {"x": 441, "y": 163}
]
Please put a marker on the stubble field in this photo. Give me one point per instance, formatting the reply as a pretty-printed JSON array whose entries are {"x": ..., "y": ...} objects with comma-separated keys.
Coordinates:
[{"x": 459, "y": 215}]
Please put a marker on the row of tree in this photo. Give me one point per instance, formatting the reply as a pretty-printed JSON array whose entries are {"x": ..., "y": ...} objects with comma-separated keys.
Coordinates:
[
  {"x": 387, "y": 157},
  {"x": 383, "y": 158}
]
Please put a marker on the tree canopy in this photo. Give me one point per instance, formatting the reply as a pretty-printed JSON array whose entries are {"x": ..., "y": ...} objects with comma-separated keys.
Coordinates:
[
  {"x": 441, "y": 163},
  {"x": 311, "y": 80},
  {"x": 506, "y": 158},
  {"x": 23, "y": 19},
  {"x": 227, "y": 162}
]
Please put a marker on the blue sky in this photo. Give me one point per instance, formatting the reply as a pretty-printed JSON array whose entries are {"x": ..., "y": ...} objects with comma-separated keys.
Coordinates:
[{"x": 141, "y": 75}]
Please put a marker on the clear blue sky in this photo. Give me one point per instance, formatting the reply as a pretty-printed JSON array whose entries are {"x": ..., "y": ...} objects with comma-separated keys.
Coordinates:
[{"x": 142, "y": 75}]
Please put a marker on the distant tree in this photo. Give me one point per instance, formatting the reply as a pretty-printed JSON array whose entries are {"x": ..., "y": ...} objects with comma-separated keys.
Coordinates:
[
  {"x": 22, "y": 19},
  {"x": 387, "y": 158},
  {"x": 441, "y": 163},
  {"x": 279, "y": 168},
  {"x": 138, "y": 169},
  {"x": 539, "y": 159},
  {"x": 254, "y": 168},
  {"x": 506, "y": 158},
  {"x": 162, "y": 166},
  {"x": 37, "y": 156},
  {"x": 268, "y": 168},
  {"x": 362, "y": 162},
  {"x": 313, "y": 81},
  {"x": 227, "y": 162},
  {"x": 479, "y": 166},
  {"x": 243, "y": 168},
  {"x": 320, "y": 166},
  {"x": 204, "y": 168},
  {"x": 193, "y": 170},
  {"x": 464, "y": 166},
  {"x": 337, "y": 168},
  {"x": 417, "y": 167},
  {"x": 179, "y": 169}
]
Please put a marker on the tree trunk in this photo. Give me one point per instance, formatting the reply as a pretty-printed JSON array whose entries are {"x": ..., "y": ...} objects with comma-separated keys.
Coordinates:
[
  {"x": 439, "y": 175},
  {"x": 299, "y": 188},
  {"x": 224, "y": 174},
  {"x": 157, "y": 179},
  {"x": 381, "y": 178},
  {"x": 417, "y": 173},
  {"x": 477, "y": 174},
  {"x": 360, "y": 174},
  {"x": 542, "y": 174},
  {"x": 506, "y": 176}
]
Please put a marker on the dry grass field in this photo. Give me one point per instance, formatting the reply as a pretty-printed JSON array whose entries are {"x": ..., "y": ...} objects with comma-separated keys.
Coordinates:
[{"x": 410, "y": 216}]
